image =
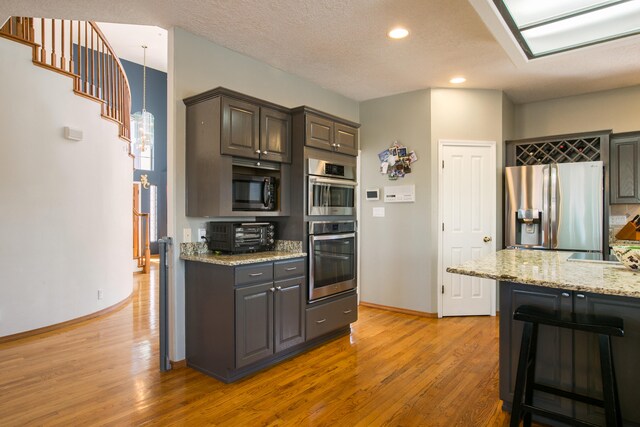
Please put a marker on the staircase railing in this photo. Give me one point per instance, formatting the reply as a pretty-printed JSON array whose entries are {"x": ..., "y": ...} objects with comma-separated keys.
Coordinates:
[
  {"x": 142, "y": 256},
  {"x": 80, "y": 50}
]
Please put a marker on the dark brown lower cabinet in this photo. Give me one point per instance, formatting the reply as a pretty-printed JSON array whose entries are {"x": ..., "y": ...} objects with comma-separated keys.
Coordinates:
[
  {"x": 568, "y": 359},
  {"x": 242, "y": 319}
]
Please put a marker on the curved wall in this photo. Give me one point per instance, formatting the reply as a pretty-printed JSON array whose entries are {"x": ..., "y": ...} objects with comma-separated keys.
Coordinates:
[{"x": 65, "y": 206}]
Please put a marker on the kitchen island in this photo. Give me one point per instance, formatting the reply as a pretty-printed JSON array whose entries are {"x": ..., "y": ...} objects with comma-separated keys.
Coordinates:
[{"x": 566, "y": 359}]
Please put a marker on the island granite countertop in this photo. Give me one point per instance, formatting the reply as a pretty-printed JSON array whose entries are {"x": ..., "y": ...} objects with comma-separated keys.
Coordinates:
[
  {"x": 551, "y": 269},
  {"x": 241, "y": 259}
]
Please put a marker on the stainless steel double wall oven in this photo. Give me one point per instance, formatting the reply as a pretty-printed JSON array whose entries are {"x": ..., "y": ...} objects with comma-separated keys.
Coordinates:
[{"x": 331, "y": 208}]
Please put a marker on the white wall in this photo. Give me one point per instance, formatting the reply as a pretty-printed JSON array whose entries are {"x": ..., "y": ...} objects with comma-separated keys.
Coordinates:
[
  {"x": 395, "y": 250},
  {"x": 65, "y": 217},
  {"x": 617, "y": 109},
  {"x": 197, "y": 65}
]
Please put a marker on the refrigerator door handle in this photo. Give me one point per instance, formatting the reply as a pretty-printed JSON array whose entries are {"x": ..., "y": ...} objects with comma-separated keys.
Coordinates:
[
  {"x": 545, "y": 207},
  {"x": 554, "y": 206}
]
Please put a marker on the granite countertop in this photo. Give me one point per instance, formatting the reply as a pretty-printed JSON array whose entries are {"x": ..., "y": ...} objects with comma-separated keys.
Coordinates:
[
  {"x": 241, "y": 259},
  {"x": 551, "y": 269}
]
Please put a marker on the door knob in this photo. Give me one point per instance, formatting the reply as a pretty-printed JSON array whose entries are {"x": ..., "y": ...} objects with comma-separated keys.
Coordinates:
[{"x": 487, "y": 239}]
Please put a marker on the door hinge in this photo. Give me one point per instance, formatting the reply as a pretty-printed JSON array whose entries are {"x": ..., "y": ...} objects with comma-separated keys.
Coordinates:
[
  {"x": 443, "y": 164},
  {"x": 443, "y": 226},
  {"x": 443, "y": 289}
]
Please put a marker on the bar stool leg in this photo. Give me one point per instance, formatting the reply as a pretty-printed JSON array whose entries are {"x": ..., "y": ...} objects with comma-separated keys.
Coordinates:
[
  {"x": 521, "y": 376},
  {"x": 609, "y": 389},
  {"x": 531, "y": 374}
]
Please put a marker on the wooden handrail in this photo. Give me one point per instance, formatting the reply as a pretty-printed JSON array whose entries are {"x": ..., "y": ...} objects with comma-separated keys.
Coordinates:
[
  {"x": 144, "y": 258},
  {"x": 87, "y": 57}
]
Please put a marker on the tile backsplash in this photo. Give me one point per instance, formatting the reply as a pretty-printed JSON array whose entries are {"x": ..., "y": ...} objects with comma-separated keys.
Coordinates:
[{"x": 622, "y": 210}]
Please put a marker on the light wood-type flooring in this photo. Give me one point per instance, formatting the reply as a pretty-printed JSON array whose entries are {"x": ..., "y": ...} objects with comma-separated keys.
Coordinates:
[{"x": 394, "y": 369}]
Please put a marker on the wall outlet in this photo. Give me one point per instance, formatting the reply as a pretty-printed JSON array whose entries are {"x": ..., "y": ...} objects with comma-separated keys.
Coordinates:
[
  {"x": 186, "y": 235},
  {"x": 100, "y": 294},
  {"x": 617, "y": 220},
  {"x": 202, "y": 234}
]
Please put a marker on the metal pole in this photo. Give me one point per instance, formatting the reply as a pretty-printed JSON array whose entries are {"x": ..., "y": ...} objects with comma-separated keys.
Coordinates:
[{"x": 165, "y": 364}]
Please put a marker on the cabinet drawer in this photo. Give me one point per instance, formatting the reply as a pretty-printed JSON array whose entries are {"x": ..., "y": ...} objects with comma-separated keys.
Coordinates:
[
  {"x": 254, "y": 273},
  {"x": 331, "y": 316},
  {"x": 286, "y": 269}
]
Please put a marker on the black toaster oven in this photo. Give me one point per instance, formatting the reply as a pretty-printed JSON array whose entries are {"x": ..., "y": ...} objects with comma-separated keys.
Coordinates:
[{"x": 241, "y": 237}]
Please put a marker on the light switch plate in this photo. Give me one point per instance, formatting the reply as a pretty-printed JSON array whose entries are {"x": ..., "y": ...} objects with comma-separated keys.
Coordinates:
[
  {"x": 378, "y": 212},
  {"x": 186, "y": 235}
]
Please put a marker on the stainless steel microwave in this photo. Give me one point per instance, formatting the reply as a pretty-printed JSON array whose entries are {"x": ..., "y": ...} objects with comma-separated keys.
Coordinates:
[{"x": 254, "y": 193}]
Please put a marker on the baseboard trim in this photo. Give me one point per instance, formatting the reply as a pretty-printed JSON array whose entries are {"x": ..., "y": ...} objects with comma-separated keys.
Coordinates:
[
  {"x": 399, "y": 310},
  {"x": 179, "y": 364},
  {"x": 45, "y": 329}
]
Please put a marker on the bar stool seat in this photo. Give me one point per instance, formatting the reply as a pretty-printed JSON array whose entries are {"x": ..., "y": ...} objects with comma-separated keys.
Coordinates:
[{"x": 604, "y": 326}]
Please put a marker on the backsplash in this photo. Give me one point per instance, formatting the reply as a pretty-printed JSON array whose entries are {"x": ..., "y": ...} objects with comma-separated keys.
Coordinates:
[{"x": 629, "y": 211}]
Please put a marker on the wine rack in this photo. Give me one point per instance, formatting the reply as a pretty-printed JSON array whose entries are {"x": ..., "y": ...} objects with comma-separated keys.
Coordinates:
[{"x": 569, "y": 150}]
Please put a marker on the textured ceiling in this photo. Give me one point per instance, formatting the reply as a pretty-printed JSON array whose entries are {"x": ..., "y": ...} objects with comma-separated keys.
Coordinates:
[{"x": 342, "y": 45}]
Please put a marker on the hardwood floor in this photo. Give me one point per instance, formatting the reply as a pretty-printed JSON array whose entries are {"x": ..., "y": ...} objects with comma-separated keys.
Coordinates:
[{"x": 395, "y": 369}]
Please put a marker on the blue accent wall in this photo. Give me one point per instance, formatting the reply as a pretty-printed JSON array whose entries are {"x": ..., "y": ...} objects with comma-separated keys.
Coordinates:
[{"x": 156, "y": 105}]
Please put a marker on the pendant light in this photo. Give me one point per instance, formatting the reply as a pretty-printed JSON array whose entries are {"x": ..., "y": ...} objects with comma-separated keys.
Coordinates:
[{"x": 142, "y": 122}]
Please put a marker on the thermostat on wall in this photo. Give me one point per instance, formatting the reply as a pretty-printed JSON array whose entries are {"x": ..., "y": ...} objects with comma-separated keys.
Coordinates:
[{"x": 373, "y": 193}]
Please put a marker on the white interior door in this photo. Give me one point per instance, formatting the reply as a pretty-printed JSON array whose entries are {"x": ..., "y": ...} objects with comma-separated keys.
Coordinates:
[{"x": 468, "y": 213}]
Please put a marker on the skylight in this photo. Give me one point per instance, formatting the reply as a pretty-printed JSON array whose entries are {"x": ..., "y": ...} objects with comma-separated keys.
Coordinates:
[{"x": 545, "y": 27}]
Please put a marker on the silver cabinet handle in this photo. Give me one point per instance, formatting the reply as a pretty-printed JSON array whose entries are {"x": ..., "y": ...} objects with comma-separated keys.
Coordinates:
[
  {"x": 255, "y": 274},
  {"x": 257, "y": 151},
  {"x": 278, "y": 288},
  {"x": 338, "y": 145},
  {"x": 291, "y": 268},
  {"x": 321, "y": 321},
  {"x": 566, "y": 294},
  {"x": 347, "y": 311},
  {"x": 265, "y": 152},
  {"x": 580, "y": 295},
  {"x": 272, "y": 289}
]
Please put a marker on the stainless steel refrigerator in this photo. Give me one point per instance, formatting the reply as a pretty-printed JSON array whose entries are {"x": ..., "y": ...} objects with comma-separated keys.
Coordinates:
[{"x": 556, "y": 206}]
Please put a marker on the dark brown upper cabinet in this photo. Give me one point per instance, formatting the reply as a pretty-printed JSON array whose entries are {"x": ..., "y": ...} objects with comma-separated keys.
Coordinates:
[
  {"x": 223, "y": 128},
  {"x": 329, "y": 133},
  {"x": 240, "y": 128},
  {"x": 256, "y": 132},
  {"x": 625, "y": 168},
  {"x": 275, "y": 135}
]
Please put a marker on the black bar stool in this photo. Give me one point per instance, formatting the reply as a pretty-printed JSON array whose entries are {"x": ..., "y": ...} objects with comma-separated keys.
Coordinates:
[{"x": 604, "y": 326}]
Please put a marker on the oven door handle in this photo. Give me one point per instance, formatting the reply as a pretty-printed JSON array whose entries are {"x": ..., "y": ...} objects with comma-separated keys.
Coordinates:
[
  {"x": 332, "y": 236},
  {"x": 338, "y": 182}
]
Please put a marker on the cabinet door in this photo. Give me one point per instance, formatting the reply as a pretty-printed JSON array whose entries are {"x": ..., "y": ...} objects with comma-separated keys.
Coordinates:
[
  {"x": 254, "y": 323},
  {"x": 625, "y": 169},
  {"x": 319, "y": 132},
  {"x": 626, "y": 354},
  {"x": 275, "y": 135},
  {"x": 346, "y": 139},
  {"x": 240, "y": 128},
  {"x": 289, "y": 316},
  {"x": 554, "y": 360}
]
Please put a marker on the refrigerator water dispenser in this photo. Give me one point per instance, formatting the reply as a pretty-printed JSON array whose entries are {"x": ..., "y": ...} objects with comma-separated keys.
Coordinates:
[{"x": 528, "y": 227}]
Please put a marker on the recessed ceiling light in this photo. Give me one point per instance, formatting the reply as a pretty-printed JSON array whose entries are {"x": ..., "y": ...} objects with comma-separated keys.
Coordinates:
[
  {"x": 398, "y": 33},
  {"x": 457, "y": 80}
]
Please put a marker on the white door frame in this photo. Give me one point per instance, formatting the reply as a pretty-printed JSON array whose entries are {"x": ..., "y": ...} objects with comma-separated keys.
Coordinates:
[{"x": 462, "y": 143}]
